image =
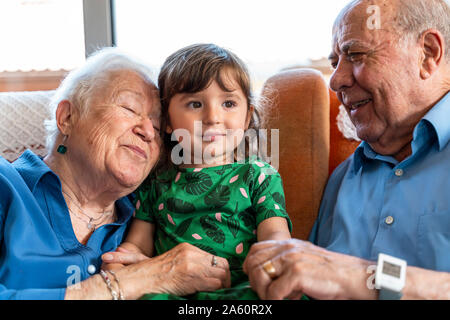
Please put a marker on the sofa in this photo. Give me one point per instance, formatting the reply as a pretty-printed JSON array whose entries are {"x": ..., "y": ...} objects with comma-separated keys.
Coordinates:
[{"x": 315, "y": 135}]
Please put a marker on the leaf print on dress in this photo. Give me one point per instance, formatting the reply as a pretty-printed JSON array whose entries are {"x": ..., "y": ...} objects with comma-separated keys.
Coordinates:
[
  {"x": 234, "y": 179},
  {"x": 196, "y": 183},
  {"x": 179, "y": 206},
  {"x": 169, "y": 217},
  {"x": 239, "y": 248},
  {"x": 211, "y": 230},
  {"x": 160, "y": 221},
  {"x": 278, "y": 198},
  {"x": 264, "y": 185},
  {"x": 269, "y": 213},
  {"x": 182, "y": 228},
  {"x": 248, "y": 177},
  {"x": 233, "y": 224},
  {"x": 247, "y": 217},
  {"x": 261, "y": 200},
  {"x": 161, "y": 188},
  {"x": 222, "y": 170},
  {"x": 206, "y": 248},
  {"x": 218, "y": 197}
]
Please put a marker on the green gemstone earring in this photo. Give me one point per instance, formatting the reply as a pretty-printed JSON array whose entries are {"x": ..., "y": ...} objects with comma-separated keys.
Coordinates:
[{"x": 62, "y": 148}]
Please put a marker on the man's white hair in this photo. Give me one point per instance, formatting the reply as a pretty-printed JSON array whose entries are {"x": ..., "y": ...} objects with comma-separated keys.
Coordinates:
[
  {"x": 413, "y": 17},
  {"x": 81, "y": 84},
  {"x": 416, "y": 16}
]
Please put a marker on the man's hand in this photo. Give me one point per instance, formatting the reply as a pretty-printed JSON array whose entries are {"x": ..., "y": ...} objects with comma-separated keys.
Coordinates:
[{"x": 303, "y": 268}]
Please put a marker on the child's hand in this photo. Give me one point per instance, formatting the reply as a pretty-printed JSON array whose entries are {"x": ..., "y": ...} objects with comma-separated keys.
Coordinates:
[{"x": 122, "y": 257}]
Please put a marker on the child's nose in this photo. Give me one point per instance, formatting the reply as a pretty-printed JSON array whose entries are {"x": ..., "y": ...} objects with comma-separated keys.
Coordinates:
[{"x": 212, "y": 114}]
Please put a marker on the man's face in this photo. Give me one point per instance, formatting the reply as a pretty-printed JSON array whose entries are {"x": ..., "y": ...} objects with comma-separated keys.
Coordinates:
[{"x": 376, "y": 78}]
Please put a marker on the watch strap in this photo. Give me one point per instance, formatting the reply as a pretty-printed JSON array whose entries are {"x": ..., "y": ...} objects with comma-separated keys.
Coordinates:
[{"x": 385, "y": 294}]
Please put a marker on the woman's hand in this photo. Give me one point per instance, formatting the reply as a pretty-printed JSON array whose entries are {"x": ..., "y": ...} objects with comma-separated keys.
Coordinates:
[
  {"x": 182, "y": 270},
  {"x": 301, "y": 267}
]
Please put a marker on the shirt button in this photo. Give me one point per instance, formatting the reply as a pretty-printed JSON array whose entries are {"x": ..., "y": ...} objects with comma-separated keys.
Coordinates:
[
  {"x": 91, "y": 269},
  {"x": 399, "y": 172},
  {"x": 389, "y": 220}
]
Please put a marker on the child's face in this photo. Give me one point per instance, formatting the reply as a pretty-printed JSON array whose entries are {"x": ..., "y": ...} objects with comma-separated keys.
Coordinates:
[{"x": 215, "y": 119}]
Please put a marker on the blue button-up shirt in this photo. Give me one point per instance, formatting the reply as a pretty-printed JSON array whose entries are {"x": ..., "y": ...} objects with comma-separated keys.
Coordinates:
[
  {"x": 39, "y": 253},
  {"x": 373, "y": 203}
]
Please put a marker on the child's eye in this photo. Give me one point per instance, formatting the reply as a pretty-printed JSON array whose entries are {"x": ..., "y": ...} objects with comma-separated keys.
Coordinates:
[
  {"x": 195, "y": 104},
  {"x": 229, "y": 104}
]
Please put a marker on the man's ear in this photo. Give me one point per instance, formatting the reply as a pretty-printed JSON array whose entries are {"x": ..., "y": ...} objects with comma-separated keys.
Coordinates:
[
  {"x": 64, "y": 117},
  {"x": 433, "y": 49},
  {"x": 250, "y": 111}
]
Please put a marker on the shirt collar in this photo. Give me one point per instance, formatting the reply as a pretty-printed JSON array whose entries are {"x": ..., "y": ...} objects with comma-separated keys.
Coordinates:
[
  {"x": 438, "y": 118},
  {"x": 32, "y": 168}
]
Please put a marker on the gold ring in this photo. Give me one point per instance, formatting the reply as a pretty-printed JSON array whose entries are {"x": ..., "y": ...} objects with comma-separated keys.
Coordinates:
[
  {"x": 269, "y": 269},
  {"x": 213, "y": 261}
]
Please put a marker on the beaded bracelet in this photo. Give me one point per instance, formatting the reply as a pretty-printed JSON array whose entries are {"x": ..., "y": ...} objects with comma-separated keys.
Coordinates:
[
  {"x": 121, "y": 296},
  {"x": 108, "y": 284}
]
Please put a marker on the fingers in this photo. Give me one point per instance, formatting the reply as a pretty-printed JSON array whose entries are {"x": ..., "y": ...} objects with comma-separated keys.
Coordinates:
[
  {"x": 123, "y": 257},
  {"x": 200, "y": 265},
  {"x": 267, "y": 250}
]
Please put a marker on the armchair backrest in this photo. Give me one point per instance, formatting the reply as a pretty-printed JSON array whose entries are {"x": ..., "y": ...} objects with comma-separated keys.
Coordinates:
[
  {"x": 299, "y": 102},
  {"x": 22, "y": 116}
]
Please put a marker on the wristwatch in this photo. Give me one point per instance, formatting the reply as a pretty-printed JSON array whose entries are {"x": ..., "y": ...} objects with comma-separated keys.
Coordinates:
[{"x": 390, "y": 277}]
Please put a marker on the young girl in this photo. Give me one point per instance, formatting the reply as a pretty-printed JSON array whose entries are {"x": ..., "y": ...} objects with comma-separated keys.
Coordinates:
[{"x": 209, "y": 200}]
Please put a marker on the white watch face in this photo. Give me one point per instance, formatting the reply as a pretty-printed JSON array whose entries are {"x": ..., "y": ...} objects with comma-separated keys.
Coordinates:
[{"x": 390, "y": 273}]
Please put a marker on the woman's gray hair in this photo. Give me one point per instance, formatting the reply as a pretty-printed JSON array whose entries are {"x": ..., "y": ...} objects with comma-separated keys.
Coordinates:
[
  {"x": 416, "y": 16},
  {"x": 81, "y": 84}
]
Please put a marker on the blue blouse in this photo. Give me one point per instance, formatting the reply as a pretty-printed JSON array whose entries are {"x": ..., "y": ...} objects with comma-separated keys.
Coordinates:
[
  {"x": 39, "y": 253},
  {"x": 373, "y": 203}
]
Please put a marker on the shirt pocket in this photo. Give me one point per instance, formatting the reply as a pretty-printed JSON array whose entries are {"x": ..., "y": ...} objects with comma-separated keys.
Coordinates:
[{"x": 434, "y": 241}]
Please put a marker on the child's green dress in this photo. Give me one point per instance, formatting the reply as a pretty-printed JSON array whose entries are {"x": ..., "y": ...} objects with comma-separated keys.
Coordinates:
[{"x": 216, "y": 209}]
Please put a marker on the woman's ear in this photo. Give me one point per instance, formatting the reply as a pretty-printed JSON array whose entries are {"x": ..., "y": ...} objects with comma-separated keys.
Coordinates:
[
  {"x": 433, "y": 47},
  {"x": 168, "y": 129},
  {"x": 64, "y": 117},
  {"x": 250, "y": 111}
]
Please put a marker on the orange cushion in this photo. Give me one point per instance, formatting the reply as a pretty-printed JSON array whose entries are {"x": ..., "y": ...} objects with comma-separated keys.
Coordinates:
[{"x": 300, "y": 110}]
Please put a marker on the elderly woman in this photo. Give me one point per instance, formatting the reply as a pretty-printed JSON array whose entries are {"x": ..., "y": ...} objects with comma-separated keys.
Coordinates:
[{"x": 59, "y": 214}]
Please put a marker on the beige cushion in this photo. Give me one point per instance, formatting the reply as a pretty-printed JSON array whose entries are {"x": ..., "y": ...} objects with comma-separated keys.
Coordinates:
[{"x": 22, "y": 116}]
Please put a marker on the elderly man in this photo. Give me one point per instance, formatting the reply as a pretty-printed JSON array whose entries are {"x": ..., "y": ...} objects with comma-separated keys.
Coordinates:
[{"x": 392, "y": 73}]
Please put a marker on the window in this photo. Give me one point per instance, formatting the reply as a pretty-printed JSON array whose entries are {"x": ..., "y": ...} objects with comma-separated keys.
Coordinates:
[
  {"x": 268, "y": 35},
  {"x": 40, "y": 40}
]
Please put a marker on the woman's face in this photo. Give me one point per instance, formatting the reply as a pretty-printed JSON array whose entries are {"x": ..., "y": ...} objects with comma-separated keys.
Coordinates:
[{"x": 119, "y": 136}]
